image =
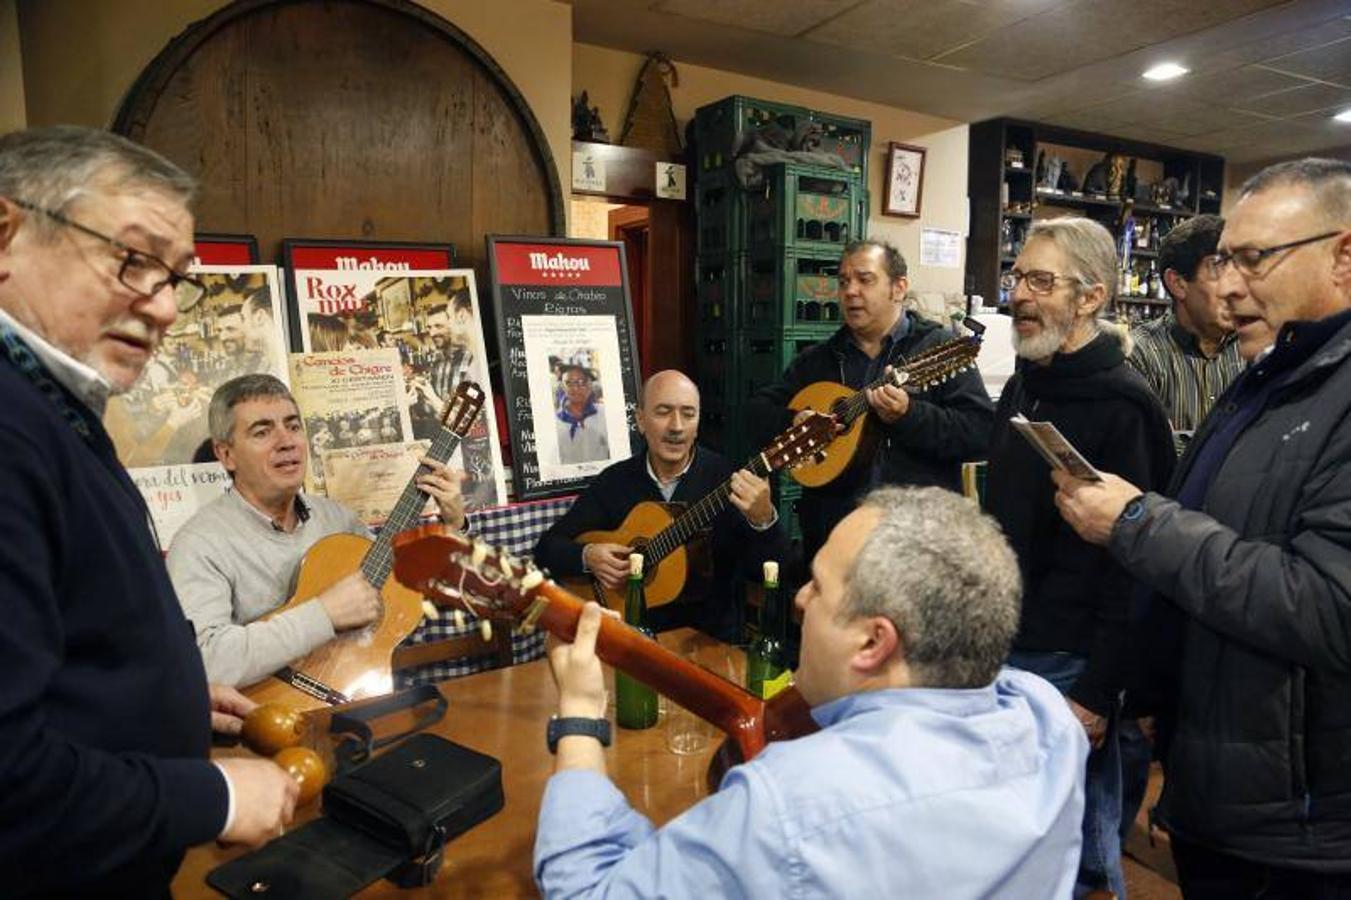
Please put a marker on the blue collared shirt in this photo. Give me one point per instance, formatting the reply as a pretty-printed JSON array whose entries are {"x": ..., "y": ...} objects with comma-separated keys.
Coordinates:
[{"x": 904, "y": 793}]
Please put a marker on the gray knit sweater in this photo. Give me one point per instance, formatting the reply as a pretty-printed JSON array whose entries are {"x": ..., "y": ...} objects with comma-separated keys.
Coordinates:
[{"x": 229, "y": 566}]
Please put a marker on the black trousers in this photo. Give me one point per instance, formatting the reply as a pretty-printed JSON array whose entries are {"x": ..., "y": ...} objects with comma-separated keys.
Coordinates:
[{"x": 1205, "y": 874}]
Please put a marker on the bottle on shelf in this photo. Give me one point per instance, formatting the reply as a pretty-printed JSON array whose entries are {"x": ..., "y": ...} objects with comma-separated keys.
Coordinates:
[
  {"x": 635, "y": 702},
  {"x": 767, "y": 670}
]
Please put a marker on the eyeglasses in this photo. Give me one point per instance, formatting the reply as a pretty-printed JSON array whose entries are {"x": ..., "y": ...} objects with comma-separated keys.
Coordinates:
[
  {"x": 142, "y": 272},
  {"x": 1039, "y": 281},
  {"x": 576, "y": 382},
  {"x": 1248, "y": 260}
]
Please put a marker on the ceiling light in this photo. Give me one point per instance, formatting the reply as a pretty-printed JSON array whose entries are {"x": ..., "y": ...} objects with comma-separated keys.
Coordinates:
[
  {"x": 1343, "y": 116},
  {"x": 1166, "y": 72}
]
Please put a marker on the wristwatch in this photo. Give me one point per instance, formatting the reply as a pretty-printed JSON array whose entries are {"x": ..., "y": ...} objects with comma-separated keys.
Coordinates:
[
  {"x": 1134, "y": 509},
  {"x": 563, "y": 727}
]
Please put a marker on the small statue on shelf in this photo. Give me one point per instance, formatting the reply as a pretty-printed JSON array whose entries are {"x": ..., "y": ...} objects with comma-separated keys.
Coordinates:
[
  {"x": 586, "y": 123},
  {"x": 1095, "y": 181},
  {"x": 1116, "y": 175},
  {"x": 1128, "y": 190},
  {"x": 1067, "y": 182}
]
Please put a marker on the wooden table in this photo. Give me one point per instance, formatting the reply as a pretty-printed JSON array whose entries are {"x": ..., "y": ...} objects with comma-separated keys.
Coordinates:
[{"x": 503, "y": 713}]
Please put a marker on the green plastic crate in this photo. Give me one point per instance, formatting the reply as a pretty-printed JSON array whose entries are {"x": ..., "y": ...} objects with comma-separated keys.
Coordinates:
[
  {"x": 718, "y": 287},
  {"x": 784, "y": 289},
  {"x": 720, "y": 214},
  {"x": 720, "y": 129},
  {"x": 806, "y": 209}
]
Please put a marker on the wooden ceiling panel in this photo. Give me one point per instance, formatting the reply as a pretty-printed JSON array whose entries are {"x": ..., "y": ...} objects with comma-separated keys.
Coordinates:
[
  {"x": 922, "y": 29},
  {"x": 1299, "y": 101},
  {"x": 785, "y": 19}
]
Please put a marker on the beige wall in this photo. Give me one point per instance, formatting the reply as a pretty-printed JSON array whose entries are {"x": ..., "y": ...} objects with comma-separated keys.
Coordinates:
[
  {"x": 608, "y": 77},
  {"x": 12, "y": 113},
  {"x": 80, "y": 57}
]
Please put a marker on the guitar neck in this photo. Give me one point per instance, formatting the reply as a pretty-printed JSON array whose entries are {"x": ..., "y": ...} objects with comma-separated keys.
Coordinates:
[
  {"x": 380, "y": 558},
  {"x": 713, "y": 699},
  {"x": 697, "y": 517},
  {"x": 922, "y": 370}
]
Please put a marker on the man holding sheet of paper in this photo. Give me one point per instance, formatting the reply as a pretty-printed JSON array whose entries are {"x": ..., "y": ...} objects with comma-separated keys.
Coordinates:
[{"x": 1072, "y": 374}]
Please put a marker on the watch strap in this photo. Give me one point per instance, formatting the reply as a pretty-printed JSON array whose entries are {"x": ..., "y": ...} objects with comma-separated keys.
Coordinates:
[{"x": 567, "y": 726}]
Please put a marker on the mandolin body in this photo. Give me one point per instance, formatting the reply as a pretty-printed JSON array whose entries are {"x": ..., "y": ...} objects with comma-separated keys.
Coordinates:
[{"x": 848, "y": 447}]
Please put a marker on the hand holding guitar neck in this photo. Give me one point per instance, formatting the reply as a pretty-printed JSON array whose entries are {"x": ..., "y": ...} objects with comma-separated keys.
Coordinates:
[
  {"x": 890, "y": 401},
  {"x": 442, "y": 483}
]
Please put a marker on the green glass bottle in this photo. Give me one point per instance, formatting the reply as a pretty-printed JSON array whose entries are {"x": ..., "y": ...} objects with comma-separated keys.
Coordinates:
[
  {"x": 635, "y": 702},
  {"x": 766, "y": 658}
]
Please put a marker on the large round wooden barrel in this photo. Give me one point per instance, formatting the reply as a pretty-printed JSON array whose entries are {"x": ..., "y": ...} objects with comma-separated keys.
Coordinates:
[{"x": 357, "y": 119}]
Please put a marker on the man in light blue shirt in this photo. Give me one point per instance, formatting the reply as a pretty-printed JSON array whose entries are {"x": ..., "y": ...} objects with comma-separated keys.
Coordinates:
[{"x": 935, "y": 774}]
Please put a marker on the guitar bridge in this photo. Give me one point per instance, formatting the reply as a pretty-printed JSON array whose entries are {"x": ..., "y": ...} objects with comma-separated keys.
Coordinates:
[{"x": 309, "y": 685}]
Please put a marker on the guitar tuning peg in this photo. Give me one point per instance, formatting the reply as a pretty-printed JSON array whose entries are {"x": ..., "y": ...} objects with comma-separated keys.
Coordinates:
[
  {"x": 819, "y": 457},
  {"x": 459, "y": 619},
  {"x": 485, "y": 629},
  {"x": 429, "y": 611},
  {"x": 532, "y": 579}
]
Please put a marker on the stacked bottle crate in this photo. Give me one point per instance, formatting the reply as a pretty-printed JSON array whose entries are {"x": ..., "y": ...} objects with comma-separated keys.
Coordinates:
[{"x": 768, "y": 255}]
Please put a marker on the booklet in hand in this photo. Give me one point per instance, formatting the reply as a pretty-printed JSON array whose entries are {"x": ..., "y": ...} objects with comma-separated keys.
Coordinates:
[{"x": 1057, "y": 451}]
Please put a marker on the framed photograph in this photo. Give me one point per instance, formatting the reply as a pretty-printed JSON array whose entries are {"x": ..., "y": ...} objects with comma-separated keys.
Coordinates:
[{"x": 905, "y": 179}]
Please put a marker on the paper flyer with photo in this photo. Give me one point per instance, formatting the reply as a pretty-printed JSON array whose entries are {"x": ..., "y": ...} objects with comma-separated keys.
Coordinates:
[
  {"x": 370, "y": 480},
  {"x": 348, "y": 399},
  {"x": 235, "y": 329},
  {"x": 174, "y": 493},
  {"x": 1054, "y": 448},
  {"x": 573, "y": 366},
  {"x": 432, "y": 319}
]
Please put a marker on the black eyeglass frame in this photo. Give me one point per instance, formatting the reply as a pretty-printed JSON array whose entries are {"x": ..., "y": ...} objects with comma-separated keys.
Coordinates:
[
  {"x": 173, "y": 279},
  {"x": 1009, "y": 280},
  {"x": 1216, "y": 263}
]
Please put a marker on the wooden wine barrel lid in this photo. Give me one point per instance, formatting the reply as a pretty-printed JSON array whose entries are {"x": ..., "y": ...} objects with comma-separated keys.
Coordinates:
[{"x": 346, "y": 119}]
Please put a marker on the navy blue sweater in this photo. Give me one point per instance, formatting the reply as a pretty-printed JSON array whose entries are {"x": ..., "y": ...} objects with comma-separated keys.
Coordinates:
[{"x": 104, "y": 713}]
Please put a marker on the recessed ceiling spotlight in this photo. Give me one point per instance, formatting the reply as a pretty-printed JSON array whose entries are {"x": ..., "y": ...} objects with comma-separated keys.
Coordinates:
[
  {"x": 1343, "y": 116},
  {"x": 1166, "y": 72}
]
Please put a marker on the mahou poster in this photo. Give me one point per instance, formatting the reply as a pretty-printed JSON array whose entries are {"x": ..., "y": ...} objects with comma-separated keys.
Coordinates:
[
  {"x": 432, "y": 318},
  {"x": 570, "y": 360}
]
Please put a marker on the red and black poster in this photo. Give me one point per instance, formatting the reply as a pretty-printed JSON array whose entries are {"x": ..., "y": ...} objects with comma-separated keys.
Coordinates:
[
  {"x": 569, "y": 358},
  {"x": 225, "y": 249}
]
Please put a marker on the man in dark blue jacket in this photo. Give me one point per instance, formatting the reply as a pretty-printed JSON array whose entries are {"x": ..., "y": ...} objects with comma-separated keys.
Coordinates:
[
  {"x": 1252, "y": 559},
  {"x": 924, "y": 437},
  {"x": 104, "y": 705}
]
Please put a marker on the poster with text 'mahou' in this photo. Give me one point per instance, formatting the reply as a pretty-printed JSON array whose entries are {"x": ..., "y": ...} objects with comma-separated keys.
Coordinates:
[
  {"x": 432, "y": 320},
  {"x": 570, "y": 368}
]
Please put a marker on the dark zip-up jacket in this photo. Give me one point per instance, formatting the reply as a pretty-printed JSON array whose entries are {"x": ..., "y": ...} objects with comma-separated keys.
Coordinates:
[
  {"x": 1259, "y": 765},
  {"x": 944, "y": 426}
]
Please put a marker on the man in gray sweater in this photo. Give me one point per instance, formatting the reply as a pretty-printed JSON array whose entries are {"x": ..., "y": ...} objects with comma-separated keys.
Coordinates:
[{"x": 238, "y": 557}]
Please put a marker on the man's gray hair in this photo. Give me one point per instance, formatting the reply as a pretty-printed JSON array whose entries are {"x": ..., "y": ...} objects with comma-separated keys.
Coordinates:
[
  {"x": 1088, "y": 247},
  {"x": 1328, "y": 179},
  {"x": 942, "y": 572},
  {"x": 54, "y": 166},
  {"x": 220, "y": 415}
]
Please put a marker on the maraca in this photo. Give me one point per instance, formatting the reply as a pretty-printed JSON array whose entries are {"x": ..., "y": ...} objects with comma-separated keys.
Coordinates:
[
  {"x": 307, "y": 768},
  {"x": 272, "y": 727}
]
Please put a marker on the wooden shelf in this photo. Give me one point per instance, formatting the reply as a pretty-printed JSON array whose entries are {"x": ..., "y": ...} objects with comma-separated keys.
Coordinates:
[
  {"x": 1152, "y": 210},
  {"x": 1059, "y": 198},
  {"x": 1016, "y": 215},
  {"x": 1144, "y": 254},
  {"x": 1013, "y": 170}
]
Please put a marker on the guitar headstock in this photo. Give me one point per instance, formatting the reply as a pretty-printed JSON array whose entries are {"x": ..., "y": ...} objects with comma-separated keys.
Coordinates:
[
  {"x": 463, "y": 407},
  {"x": 463, "y": 573},
  {"x": 801, "y": 442},
  {"x": 939, "y": 363}
]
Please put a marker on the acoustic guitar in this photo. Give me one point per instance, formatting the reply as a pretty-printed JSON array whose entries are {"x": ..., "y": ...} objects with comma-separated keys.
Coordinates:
[
  {"x": 456, "y": 571},
  {"x": 356, "y": 664},
  {"x": 660, "y": 531},
  {"x": 858, "y": 439}
]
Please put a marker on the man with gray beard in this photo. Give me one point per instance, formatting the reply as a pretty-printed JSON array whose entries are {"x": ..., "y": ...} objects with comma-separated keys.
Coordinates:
[{"x": 1075, "y": 599}]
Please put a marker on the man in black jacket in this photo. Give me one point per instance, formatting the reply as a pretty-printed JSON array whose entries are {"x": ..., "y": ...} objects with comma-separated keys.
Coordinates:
[
  {"x": 924, "y": 437},
  {"x": 672, "y": 468},
  {"x": 1075, "y": 598},
  {"x": 106, "y": 714},
  {"x": 1253, "y": 561}
]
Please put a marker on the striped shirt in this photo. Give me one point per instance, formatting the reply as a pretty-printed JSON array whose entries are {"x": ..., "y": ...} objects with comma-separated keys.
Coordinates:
[{"x": 1185, "y": 380}]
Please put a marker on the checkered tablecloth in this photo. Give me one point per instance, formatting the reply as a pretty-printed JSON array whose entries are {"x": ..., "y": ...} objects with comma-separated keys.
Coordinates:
[{"x": 515, "y": 528}]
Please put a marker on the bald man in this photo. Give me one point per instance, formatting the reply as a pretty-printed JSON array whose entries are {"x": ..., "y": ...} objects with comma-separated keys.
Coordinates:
[{"x": 673, "y": 468}]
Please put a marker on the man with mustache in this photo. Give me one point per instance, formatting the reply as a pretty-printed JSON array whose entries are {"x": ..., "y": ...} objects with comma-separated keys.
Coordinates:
[
  {"x": 105, "y": 778},
  {"x": 236, "y": 559},
  {"x": 1248, "y": 553},
  {"x": 1072, "y": 372},
  {"x": 672, "y": 468},
  {"x": 923, "y": 438},
  {"x": 1189, "y": 355}
]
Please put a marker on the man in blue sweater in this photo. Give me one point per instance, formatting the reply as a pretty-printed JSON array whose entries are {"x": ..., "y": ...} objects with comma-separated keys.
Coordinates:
[{"x": 105, "y": 710}]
